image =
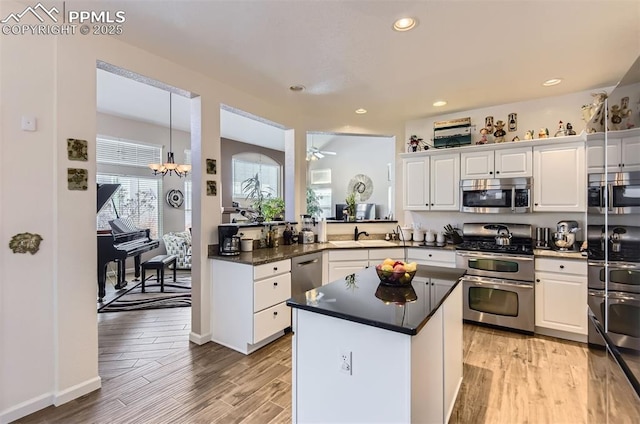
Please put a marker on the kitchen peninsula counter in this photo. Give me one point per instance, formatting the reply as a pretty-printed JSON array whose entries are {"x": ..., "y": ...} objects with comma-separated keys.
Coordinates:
[{"x": 364, "y": 352}]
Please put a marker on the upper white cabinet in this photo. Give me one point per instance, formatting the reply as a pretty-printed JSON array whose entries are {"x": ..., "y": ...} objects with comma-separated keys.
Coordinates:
[
  {"x": 559, "y": 178},
  {"x": 431, "y": 182},
  {"x": 623, "y": 154},
  {"x": 501, "y": 163}
]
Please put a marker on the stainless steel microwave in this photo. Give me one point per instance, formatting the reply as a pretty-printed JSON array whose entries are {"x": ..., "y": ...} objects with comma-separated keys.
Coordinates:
[
  {"x": 615, "y": 193},
  {"x": 503, "y": 195}
]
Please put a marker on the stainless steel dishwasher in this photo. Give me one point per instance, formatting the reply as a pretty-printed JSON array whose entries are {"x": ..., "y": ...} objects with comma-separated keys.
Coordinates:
[{"x": 306, "y": 273}]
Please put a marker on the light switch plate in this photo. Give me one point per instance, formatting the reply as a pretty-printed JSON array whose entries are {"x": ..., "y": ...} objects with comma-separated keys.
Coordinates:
[{"x": 28, "y": 123}]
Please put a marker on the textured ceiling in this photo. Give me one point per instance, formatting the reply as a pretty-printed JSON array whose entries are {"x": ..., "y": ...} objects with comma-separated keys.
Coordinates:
[{"x": 470, "y": 53}]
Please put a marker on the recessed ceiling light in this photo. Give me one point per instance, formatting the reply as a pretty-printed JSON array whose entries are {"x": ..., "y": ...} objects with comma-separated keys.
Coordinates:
[
  {"x": 552, "y": 81},
  {"x": 405, "y": 24},
  {"x": 296, "y": 87},
  {"x": 361, "y": 111},
  {"x": 439, "y": 103}
]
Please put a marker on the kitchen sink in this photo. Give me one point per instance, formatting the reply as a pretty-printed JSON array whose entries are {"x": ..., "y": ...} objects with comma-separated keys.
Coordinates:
[{"x": 363, "y": 243}]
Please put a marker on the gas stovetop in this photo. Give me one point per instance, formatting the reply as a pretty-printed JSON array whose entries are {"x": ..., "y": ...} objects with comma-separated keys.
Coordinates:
[
  {"x": 518, "y": 248},
  {"x": 624, "y": 255}
]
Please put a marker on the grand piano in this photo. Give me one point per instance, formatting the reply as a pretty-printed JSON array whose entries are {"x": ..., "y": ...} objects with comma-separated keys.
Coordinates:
[{"x": 121, "y": 242}]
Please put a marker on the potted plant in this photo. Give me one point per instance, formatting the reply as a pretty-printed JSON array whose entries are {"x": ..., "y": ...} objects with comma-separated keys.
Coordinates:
[
  {"x": 254, "y": 192},
  {"x": 313, "y": 203},
  {"x": 273, "y": 209},
  {"x": 351, "y": 206}
]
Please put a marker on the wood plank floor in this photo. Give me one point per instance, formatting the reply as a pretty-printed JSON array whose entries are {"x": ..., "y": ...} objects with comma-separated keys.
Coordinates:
[{"x": 151, "y": 374}]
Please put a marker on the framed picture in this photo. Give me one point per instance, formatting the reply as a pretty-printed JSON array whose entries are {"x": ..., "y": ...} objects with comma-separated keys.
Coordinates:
[
  {"x": 212, "y": 166},
  {"x": 320, "y": 176},
  {"x": 212, "y": 188},
  {"x": 77, "y": 149},
  {"x": 77, "y": 179}
]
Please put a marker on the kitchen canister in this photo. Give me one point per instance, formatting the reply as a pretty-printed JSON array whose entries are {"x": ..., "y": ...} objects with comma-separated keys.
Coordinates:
[
  {"x": 418, "y": 234},
  {"x": 246, "y": 245},
  {"x": 406, "y": 233}
]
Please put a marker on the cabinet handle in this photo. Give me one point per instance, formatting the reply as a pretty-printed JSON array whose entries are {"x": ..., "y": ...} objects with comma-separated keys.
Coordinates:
[
  {"x": 535, "y": 204},
  {"x": 432, "y": 204},
  {"x": 561, "y": 266},
  {"x": 275, "y": 284},
  {"x": 497, "y": 172},
  {"x": 275, "y": 268},
  {"x": 490, "y": 172},
  {"x": 537, "y": 280},
  {"x": 430, "y": 255},
  {"x": 620, "y": 165},
  {"x": 275, "y": 313}
]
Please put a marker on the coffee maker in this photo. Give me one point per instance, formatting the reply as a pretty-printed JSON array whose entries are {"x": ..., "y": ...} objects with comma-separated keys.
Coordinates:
[{"x": 228, "y": 240}]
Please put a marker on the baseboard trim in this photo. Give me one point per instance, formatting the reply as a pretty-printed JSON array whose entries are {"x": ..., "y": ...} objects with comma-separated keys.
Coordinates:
[
  {"x": 559, "y": 334},
  {"x": 25, "y": 408},
  {"x": 76, "y": 391},
  {"x": 199, "y": 339}
]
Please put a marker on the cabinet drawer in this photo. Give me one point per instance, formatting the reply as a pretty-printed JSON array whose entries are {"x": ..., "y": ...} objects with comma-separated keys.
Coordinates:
[
  {"x": 561, "y": 266},
  {"x": 432, "y": 255},
  {"x": 349, "y": 255},
  {"x": 270, "y": 321},
  {"x": 271, "y": 290},
  {"x": 382, "y": 254},
  {"x": 271, "y": 269}
]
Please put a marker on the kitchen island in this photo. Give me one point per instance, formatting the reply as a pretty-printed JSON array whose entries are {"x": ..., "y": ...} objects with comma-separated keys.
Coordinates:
[{"x": 365, "y": 352}]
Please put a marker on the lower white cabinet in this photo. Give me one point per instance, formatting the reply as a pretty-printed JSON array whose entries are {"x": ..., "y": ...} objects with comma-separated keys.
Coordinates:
[
  {"x": 435, "y": 257},
  {"x": 343, "y": 262},
  {"x": 561, "y": 298},
  {"x": 249, "y": 303}
]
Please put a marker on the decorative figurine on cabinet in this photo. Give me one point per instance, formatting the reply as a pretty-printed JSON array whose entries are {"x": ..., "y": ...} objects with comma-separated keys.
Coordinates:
[
  {"x": 500, "y": 132},
  {"x": 543, "y": 133},
  {"x": 593, "y": 114},
  {"x": 516, "y": 138},
  {"x": 570, "y": 130},
  {"x": 415, "y": 144},
  {"x": 528, "y": 135},
  {"x": 483, "y": 138},
  {"x": 618, "y": 113},
  {"x": 561, "y": 131}
]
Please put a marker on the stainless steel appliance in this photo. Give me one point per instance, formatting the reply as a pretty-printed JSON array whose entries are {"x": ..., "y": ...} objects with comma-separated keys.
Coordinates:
[
  {"x": 505, "y": 195},
  {"x": 614, "y": 193},
  {"x": 543, "y": 238},
  {"x": 306, "y": 273},
  {"x": 565, "y": 236},
  {"x": 614, "y": 283},
  {"x": 228, "y": 240},
  {"x": 499, "y": 284},
  {"x": 306, "y": 235}
]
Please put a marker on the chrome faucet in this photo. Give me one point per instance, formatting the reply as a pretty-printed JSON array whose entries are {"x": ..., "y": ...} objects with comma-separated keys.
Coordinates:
[{"x": 356, "y": 234}]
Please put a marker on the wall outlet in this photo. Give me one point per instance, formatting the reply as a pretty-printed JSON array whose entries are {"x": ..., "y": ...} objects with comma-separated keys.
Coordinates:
[{"x": 346, "y": 362}]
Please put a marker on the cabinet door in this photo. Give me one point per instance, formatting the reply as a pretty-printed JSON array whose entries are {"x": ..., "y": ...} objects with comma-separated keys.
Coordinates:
[
  {"x": 415, "y": 183},
  {"x": 477, "y": 165},
  {"x": 559, "y": 178},
  {"x": 630, "y": 157},
  {"x": 445, "y": 182},
  {"x": 512, "y": 163},
  {"x": 561, "y": 302},
  {"x": 339, "y": 270},
  {"x": 438, "y": 289},
  {"x": 595, "y": 156}
]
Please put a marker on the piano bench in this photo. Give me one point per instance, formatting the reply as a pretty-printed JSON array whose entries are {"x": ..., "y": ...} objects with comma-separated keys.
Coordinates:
[{"x": 159, "y": 263}]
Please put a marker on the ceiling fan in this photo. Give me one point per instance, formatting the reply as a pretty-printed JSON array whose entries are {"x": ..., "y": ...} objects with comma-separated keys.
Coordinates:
[{"x": 313, "y": 153}]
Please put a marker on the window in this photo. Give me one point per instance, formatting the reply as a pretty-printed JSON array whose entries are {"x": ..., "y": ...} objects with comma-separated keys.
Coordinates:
[
  {"x": 247, "y": 165},
  {"x": 139, "y": 196}
]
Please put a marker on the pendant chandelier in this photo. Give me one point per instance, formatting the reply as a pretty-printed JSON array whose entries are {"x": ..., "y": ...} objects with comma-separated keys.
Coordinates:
[{"x": 170, "y": 167}]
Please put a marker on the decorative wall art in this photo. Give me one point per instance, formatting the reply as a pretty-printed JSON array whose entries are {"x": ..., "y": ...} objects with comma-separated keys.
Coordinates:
[
  {"x": 77, "y": 179},
  {"x": 362, "y": 186},
  {"x": 212, "y": 166},
  {"x": 512, "y": 123},
  {"x": 25, "y": 242},
  {"x": 212, "y": 188},
  {"x": 175, "y": 198},
  {"x": 77, "y": 149}
]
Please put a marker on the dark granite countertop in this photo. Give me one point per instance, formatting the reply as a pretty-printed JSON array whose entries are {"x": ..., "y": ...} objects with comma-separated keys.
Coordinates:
[{"x": 361, "y": 298}]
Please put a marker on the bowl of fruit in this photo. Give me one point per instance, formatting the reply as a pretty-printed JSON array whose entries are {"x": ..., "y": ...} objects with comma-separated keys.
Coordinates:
[{"x": 396, "y": 273}]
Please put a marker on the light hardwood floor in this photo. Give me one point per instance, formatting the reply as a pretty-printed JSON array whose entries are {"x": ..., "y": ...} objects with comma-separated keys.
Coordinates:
[{"x": 151, "y": 374}]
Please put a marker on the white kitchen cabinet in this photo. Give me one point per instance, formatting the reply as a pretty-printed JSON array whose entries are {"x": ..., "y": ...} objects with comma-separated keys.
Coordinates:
[
  {"x": 561, "y": 298},
  {"x": 623, "y": 153},
  {"x": 415, "y": 183},
  {"x": 500, "y": 163},
  {"x": 435, "y": 257},
  {"x": 444, "y": 182},
  {"x": 248, "y": 303},
  {"x": 343, "y": 262},
  {"x": 559, "y": 178},
  {"x": 431, "y": 182}
]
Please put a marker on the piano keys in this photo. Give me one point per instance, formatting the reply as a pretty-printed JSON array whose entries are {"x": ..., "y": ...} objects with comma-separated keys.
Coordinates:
[{"x": 123, "y": 241}]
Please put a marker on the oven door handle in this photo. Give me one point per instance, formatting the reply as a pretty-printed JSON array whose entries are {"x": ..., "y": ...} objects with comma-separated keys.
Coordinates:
[
  {"x": 615, "y": 265},
  {"x": 498, "y": 283},
  {"x": 513, "y": 199},
  {"x": 609, "y": 197},
  {"x": 615, "y": 295},
  {"x": 481, "y": 255}
]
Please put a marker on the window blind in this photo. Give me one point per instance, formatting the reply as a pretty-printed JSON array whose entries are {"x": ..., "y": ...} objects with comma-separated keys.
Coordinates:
[{"x": 119, "y": 152}]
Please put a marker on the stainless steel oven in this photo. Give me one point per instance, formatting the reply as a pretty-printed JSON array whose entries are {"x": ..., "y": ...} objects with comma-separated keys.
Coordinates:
[
  {"x": 505, "y": 195},
  {"x": 614, "y": 193},
  {"x": 622, "y": 312},
  {"x": 498, "y": 287}
]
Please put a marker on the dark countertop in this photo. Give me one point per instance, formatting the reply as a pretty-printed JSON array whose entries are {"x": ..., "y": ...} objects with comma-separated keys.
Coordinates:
[
  {"x": 356, "y": 298},
  {"x": 264, "y": 256}
]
